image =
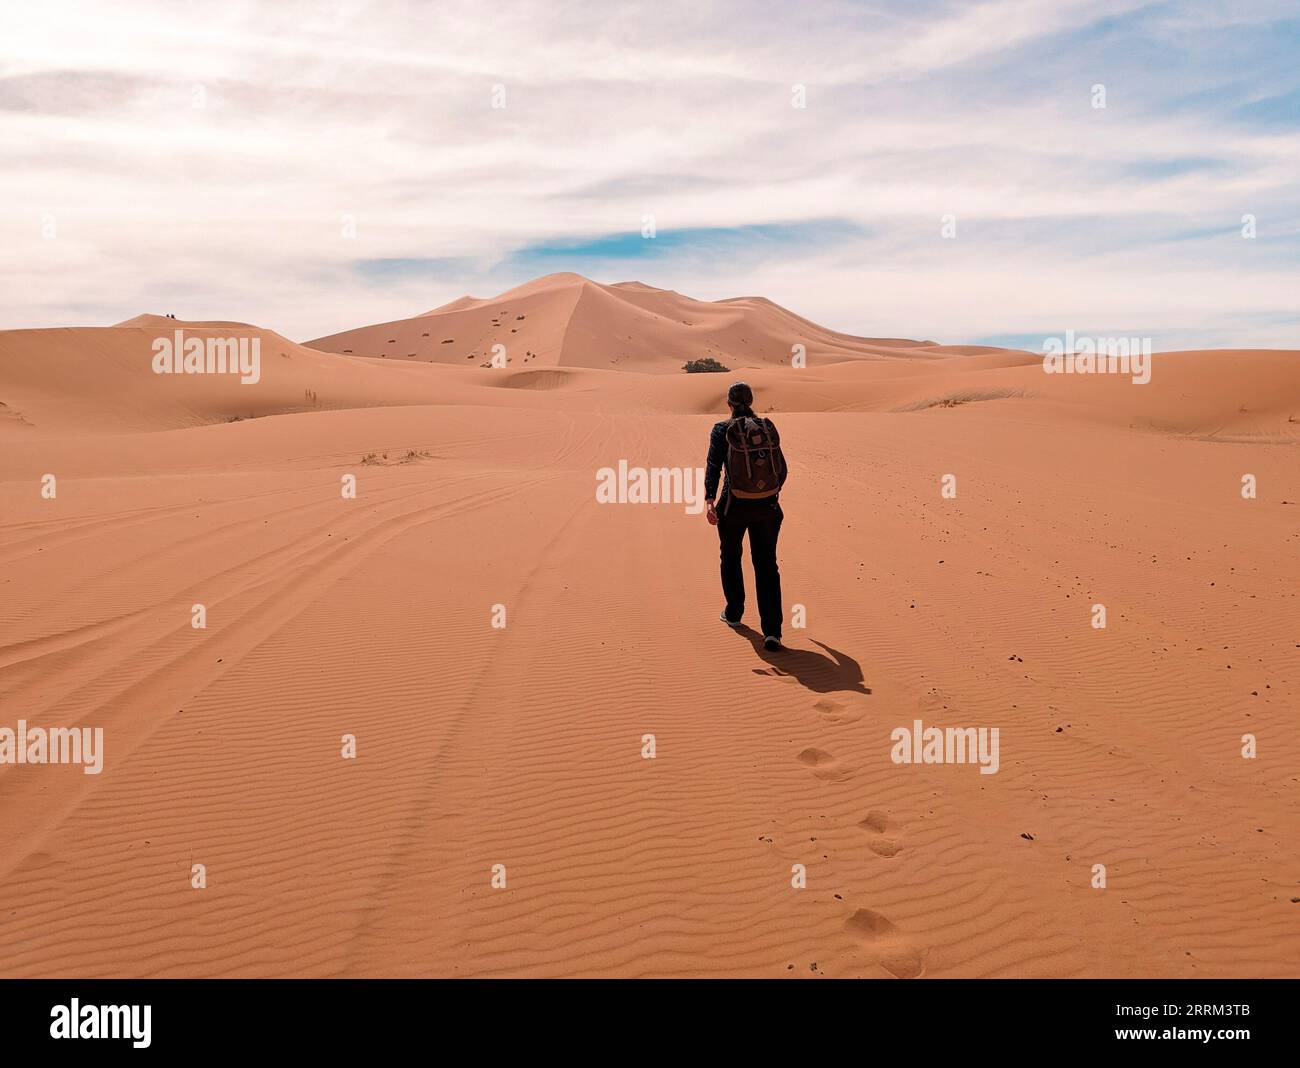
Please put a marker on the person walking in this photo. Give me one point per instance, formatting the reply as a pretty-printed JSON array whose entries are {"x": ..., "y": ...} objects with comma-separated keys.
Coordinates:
[{"x": 748, "y": 449}]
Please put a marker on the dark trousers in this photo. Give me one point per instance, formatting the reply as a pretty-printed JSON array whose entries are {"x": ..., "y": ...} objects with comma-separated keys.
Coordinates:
[{"x": 762, "y": 519}]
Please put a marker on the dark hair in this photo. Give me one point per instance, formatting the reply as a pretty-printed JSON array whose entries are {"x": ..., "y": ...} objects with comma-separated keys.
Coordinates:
[{"x": 741, "y": 397}]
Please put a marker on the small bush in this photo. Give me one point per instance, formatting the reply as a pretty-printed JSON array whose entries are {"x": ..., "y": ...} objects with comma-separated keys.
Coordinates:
[
  {"x": 705, "y": 365},
  {"x": 374, "y": 459}
]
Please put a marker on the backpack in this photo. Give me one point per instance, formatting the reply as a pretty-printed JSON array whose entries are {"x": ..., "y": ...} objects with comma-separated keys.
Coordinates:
[{"x": 755, "y": 465}]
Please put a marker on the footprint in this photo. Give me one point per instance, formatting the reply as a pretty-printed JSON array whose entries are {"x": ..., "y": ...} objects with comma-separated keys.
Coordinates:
[
  {"x": 875, "y": 820},
  {"x": 823, "y": 765},
  {"x": 885, "y": 944},
  {"x": 835, "y": 712},
  {"x": 878, "y": 822}
]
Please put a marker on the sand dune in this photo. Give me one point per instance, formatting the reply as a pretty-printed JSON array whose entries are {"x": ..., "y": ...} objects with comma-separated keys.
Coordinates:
[
  {"x": 522, "y": 746},
  {"x": 571, "y": 321}
]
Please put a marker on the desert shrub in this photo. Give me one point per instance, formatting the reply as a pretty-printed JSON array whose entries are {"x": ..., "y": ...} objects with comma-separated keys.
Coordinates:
[{"x": 705, "y": 365}]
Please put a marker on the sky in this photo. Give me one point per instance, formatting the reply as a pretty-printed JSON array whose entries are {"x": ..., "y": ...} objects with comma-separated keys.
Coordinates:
[{"x": 939, "y": 171}]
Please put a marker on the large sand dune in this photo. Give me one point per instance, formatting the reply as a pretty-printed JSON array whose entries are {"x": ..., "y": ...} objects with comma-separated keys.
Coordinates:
[
  {"x": 522, "y": 746},
  {"x": 567, "y": 320}
]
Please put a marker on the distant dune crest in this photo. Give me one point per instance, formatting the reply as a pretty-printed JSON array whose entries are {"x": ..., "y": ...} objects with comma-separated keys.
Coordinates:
[{"x": 564, "y": 342}]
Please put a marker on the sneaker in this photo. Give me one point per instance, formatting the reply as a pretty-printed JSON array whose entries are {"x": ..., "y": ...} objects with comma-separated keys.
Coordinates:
[
  {"x": 728, "y": 622},
  {"x": 772, "y": 644}
]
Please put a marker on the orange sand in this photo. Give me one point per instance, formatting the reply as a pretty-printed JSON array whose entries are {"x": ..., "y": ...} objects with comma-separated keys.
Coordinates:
[{"x": 522, "y": 746}]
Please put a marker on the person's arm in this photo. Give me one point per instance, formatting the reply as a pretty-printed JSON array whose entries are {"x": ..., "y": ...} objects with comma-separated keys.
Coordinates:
[{"x": 713, "y": 467}]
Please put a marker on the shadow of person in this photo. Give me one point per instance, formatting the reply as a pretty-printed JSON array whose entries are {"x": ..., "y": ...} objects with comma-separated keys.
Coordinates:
[{"x": 836, "y": 673}]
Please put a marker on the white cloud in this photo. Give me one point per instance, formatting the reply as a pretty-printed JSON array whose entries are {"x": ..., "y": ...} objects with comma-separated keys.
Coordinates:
[{"x": 382, "y": 112}]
